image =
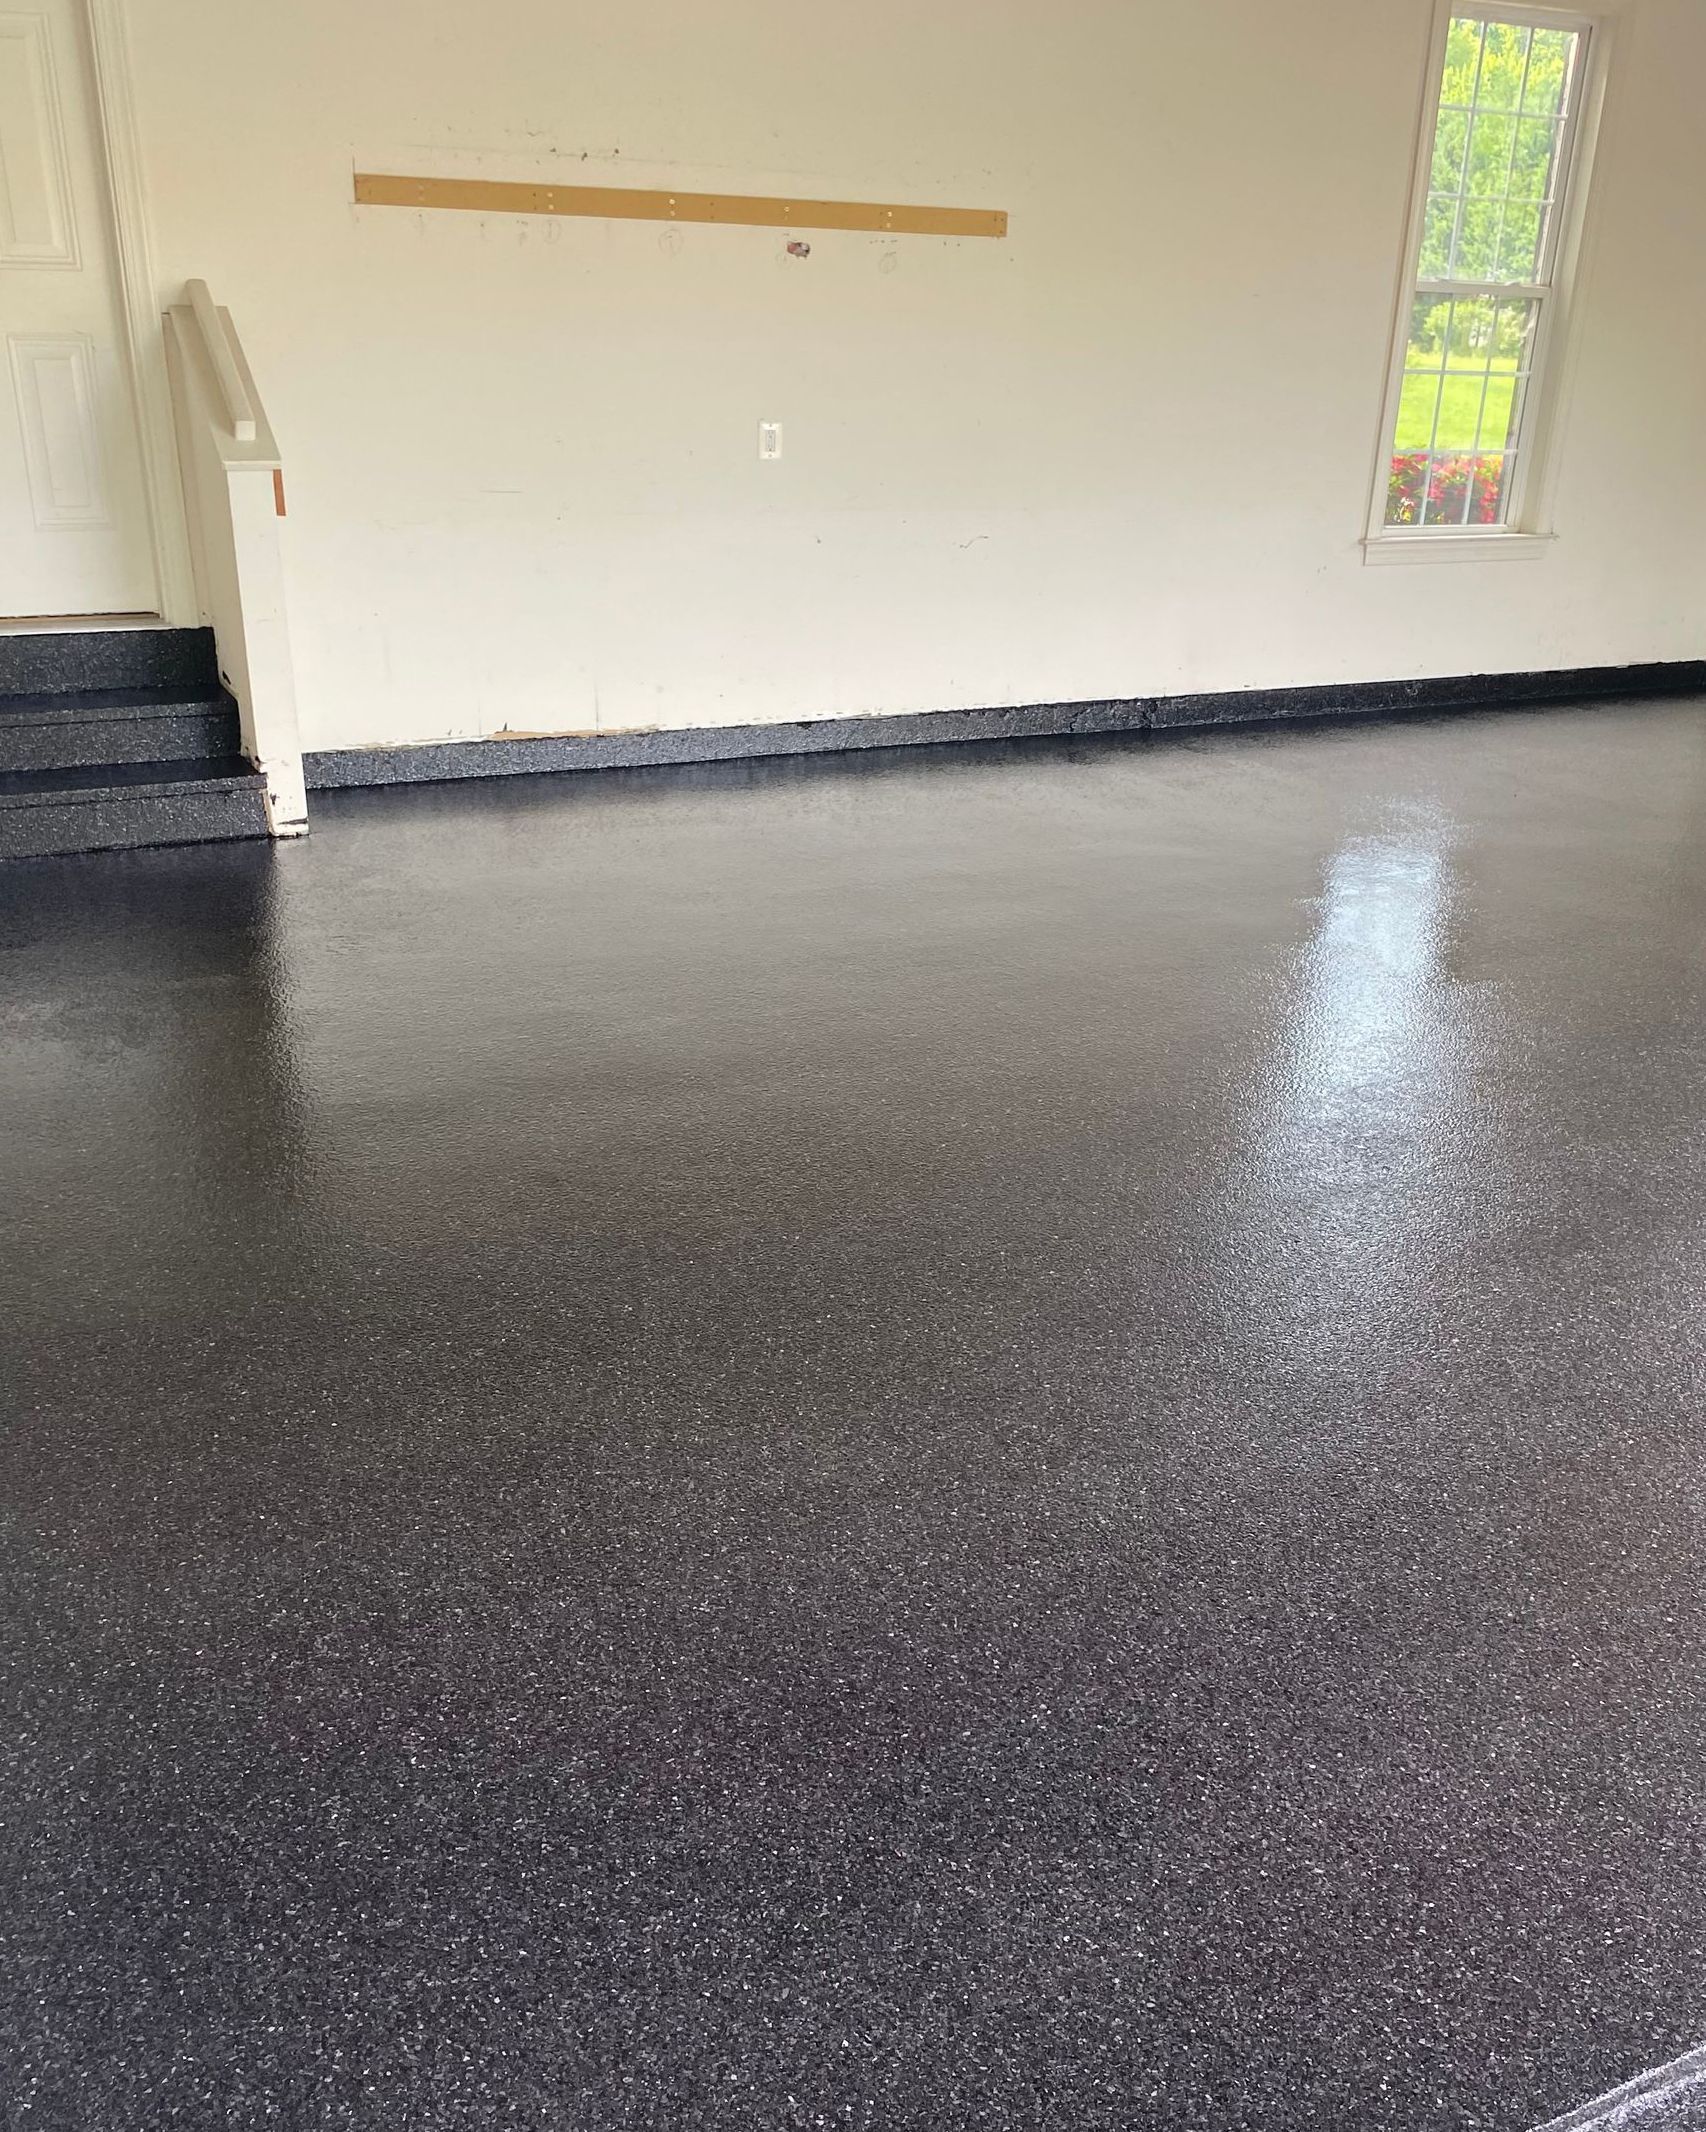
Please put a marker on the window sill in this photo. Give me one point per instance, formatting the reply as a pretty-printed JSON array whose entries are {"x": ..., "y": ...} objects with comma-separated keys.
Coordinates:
[{"x": 1456, "y": 547}]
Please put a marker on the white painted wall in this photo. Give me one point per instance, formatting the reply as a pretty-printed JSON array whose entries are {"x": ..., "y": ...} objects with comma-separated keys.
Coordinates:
[{"x": 1126, "y": 451}]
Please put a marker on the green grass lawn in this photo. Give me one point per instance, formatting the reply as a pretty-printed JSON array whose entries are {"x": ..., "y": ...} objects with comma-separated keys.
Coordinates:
[{"x": 1459, "y": 406}]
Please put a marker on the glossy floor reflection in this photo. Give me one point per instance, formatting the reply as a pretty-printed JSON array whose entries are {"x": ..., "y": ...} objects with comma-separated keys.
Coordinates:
[{"x": 989, "y": 1438}]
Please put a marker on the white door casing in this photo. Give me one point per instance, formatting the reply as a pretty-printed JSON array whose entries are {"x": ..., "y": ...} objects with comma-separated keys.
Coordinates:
[{"x": 74, "y": 526}]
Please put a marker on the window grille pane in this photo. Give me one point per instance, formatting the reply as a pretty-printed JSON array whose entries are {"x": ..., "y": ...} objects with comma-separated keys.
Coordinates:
[
  {"x": 1551, "y": 63},
  {"x": 1491, "y": 138},
  {"x": 1519, "y": 241},
  {"x": 1504, "y": 66},
  {"x": 1451, "y": 137},
  {"x": 1437, "y": 232},
  {"x": 1534, "y": 151},
  {"x": 1462, "y": 61},
  {"x": 1445, "y": 501},
  {"x": 1475, "y": 243}
]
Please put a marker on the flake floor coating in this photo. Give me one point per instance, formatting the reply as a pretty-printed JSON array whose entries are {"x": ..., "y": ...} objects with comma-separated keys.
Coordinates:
[{"x": 1008, "y": 1438}]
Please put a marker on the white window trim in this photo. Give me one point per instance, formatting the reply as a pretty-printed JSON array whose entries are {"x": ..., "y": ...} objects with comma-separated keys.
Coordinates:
[{"x": 1527, "y": 534}]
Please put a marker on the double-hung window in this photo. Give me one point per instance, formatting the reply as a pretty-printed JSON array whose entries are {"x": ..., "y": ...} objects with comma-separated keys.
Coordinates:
[{"x": 1494, "y": 198}]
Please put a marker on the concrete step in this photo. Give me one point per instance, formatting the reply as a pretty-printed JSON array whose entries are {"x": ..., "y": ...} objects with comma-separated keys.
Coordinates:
[
  {"x": 38, "y": 662},
  {"x": 124, "y": 806},
  {"x": 88, "y": 727}
]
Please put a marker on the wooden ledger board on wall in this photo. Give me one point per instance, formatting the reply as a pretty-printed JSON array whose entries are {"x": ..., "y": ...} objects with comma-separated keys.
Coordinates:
[{"x": 494, "y": 196}]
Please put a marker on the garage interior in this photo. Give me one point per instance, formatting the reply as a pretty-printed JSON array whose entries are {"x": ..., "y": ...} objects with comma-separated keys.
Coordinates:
[{"x": 851, "y": 1100}]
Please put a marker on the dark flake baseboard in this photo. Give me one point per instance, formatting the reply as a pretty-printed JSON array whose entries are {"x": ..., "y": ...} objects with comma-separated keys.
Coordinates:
[{"x": 435, "y": 761}]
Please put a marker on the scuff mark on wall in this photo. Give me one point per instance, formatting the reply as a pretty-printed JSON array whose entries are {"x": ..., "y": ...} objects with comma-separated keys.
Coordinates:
[{"x": 557, "y": 732}]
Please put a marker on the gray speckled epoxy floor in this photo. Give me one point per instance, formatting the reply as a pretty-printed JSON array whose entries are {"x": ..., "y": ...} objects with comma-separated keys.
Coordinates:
[{"x": 1007, "y": 1438}]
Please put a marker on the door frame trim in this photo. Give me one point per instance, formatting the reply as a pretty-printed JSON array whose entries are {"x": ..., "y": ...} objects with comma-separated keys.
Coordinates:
[{"x": 139, "y": 305}]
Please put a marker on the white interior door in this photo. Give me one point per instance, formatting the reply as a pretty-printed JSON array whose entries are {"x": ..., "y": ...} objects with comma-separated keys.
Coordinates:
[{"x": 74, "y": 536}]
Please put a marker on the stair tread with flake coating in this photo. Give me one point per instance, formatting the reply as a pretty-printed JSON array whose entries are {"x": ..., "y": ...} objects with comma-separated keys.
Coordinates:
[
  {"x": 220, "y": 773},
  {"x": 70, "y": 706}
]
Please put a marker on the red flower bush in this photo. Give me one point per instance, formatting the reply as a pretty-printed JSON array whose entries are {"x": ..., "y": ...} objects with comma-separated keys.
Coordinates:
[{"x": 1477, "y": 477}]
